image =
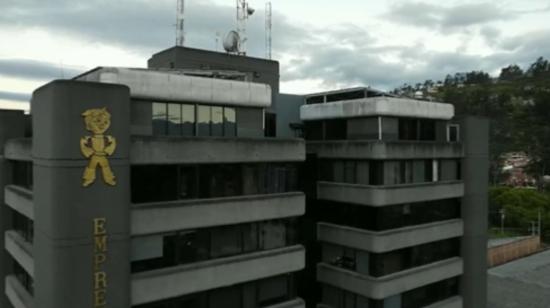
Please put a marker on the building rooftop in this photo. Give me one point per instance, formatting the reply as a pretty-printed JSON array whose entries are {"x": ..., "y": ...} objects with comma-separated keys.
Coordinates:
[
  {"x": 522, "y": 283},
  {"x": 377, "y": 106},
  {"x": 173, "y": 85}
]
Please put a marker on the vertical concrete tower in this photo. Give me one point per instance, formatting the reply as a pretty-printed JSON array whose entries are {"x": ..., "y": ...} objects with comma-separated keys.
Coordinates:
[
  {"x": 11, "y": 126},
  {"x": 81, "y": 238}
]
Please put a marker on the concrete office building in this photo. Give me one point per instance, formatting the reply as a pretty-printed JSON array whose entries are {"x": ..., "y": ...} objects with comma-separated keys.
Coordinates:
[
  {"x": 152, "y": 189},
  {"x": 399, "y": 202}
]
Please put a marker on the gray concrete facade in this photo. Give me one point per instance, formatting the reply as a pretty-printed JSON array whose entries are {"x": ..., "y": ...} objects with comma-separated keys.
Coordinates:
[
  {"x": 12, "y": 125},
  {"x": 81, "y": 242}
]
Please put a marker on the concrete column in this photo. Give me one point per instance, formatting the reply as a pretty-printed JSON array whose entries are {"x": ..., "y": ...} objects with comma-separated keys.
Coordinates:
[
  {"x": 81, "y": 232},
  {"x": 12, "y": 125},
  {"x": 475, "y": 172}
]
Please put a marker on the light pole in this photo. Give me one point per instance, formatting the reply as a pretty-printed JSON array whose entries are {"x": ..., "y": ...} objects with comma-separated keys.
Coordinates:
[{"x": 502, "y": 212}]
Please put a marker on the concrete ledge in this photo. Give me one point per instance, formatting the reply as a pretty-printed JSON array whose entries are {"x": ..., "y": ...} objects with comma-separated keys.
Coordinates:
[
  {"x": 380, "y": 288},
  {"x": 181, "y": 150},
  {"x": 453, "y": 302},
  {"x": 191, "y": 278},
  {"x": 379, "y": 242},
  {"x": 295, "y": 303},
  {"x": 153, "y": 218},
  {"x": 18, "y": 296},
  {"x": 387, "y": 195},
  {"x": 20, "y": 199},
  {"x": 174, "y": 86},
  {"x": 377, "y": 106},
  {"x": 20, "y": 250},
  {"x": 18, "y": 149},
  {"x": 362, "y": 149}
]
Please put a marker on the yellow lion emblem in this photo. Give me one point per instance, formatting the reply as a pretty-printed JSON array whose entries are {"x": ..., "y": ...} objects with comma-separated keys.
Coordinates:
[{"x": 98, "y": 146}]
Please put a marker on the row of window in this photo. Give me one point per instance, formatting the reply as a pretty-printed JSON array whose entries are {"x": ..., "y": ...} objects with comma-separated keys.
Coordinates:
[
  {"x": 416, "y": 298},
  {"x": 393, "y": 129},
  {"x": 162, "y": 251},
  {"x": 259, "y": 293},
  {"x": 387, "y": 217},
  {"x": 382, "y": 264},
  {"x": 368, "y": 128},
  {"x": 174, "y": 182},
  {"x": 194, "y": 120},
  {"x": 389, "y": 172}
]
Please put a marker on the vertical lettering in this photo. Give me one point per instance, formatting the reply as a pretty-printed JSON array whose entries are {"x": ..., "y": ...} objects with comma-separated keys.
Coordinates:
[{"x": 100, "y": 257}]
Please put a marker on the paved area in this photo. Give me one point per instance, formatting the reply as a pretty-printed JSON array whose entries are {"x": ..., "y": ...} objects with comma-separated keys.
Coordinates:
[{"x": 524, "y": 283}]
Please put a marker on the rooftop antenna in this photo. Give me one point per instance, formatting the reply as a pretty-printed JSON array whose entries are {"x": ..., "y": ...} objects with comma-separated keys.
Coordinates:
[
  {"x": 180, "y": 23},
  {"x": 268, "y": 27},
  {"x": 243, "y": 12}
]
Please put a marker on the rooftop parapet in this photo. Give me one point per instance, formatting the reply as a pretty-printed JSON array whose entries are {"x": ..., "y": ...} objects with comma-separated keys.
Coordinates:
[
  {"x": 377, "y": 106},
  {"x": 177, "y": 86}
]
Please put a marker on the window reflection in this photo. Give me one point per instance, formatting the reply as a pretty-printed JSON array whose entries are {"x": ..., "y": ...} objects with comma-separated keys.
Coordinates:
[
  {"x": 159, "y": 118},
  {"x": 217, "y": 121},
  {"x": 174, "y": 119},
  {"x": 230, "y": 122},
  {"x": 187, "y": 120},
  {"x": 203, "y": 121}
]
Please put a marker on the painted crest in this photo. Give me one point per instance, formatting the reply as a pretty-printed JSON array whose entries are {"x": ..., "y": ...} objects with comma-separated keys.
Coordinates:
[{"x": 97, "y": 147}]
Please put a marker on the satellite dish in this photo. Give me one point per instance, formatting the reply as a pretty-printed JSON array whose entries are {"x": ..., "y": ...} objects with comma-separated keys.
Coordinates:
[
  {"x": 250, "y": 10},
  {"x": 231, "y": 42}
]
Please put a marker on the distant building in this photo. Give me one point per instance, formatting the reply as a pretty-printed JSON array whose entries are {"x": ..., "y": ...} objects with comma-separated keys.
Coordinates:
[{"x": 398, "y": 202}]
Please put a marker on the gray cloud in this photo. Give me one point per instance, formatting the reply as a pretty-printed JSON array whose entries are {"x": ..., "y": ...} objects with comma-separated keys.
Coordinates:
[
  {"x": 36, "y": 70},
  {"x": 341, "y": 55},
  {"x": 15, "y": 96},
  {"x": 444, "y": 18}
]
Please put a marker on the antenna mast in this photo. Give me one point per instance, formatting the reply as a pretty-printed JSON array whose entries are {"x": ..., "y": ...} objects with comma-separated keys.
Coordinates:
[
  {"x": 180, "y": 23},
  {"x": 268, "y": 28},
  {"x": 243, "y": 12}
]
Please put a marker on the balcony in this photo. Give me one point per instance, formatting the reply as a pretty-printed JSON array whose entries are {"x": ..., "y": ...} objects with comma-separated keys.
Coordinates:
[
  {"x": 20, "y": 250},
  {"x": 197, "y": 150},
  {"x": 386, "y": 286},
  {"x": 379, "y": 242},
  {"x": 363, "y": 149},
  {"x": 191, "y": 278},
  {"x": 154, "y": 218},
  {"x": 386, "y": 195},
  {"x": 17, "y": 295},
  {"x": 20, "y": 199}
]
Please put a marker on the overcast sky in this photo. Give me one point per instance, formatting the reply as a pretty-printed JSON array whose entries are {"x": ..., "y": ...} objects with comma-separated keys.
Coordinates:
[{"x": 321, "y": 44}]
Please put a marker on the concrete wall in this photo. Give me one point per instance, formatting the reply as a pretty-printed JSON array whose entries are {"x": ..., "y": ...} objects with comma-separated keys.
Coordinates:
[
  {"x": 508, "y": 252},
  {"x": 378, "y": 242},
  {"x": 357, "y": 149},
  {"x": 193, "y": 150},
  {"x": 188, "y": 214},
  {"x": 67, "y": 241},
  {"x": 12, "y": 125},
  {"x": 474, "y": 133},
  {"x": 381, "y": 288},
  {"x": 386, "y": 195},
  {"x": 288, "y": 111},
  {"x": 196, "y": 277}
]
